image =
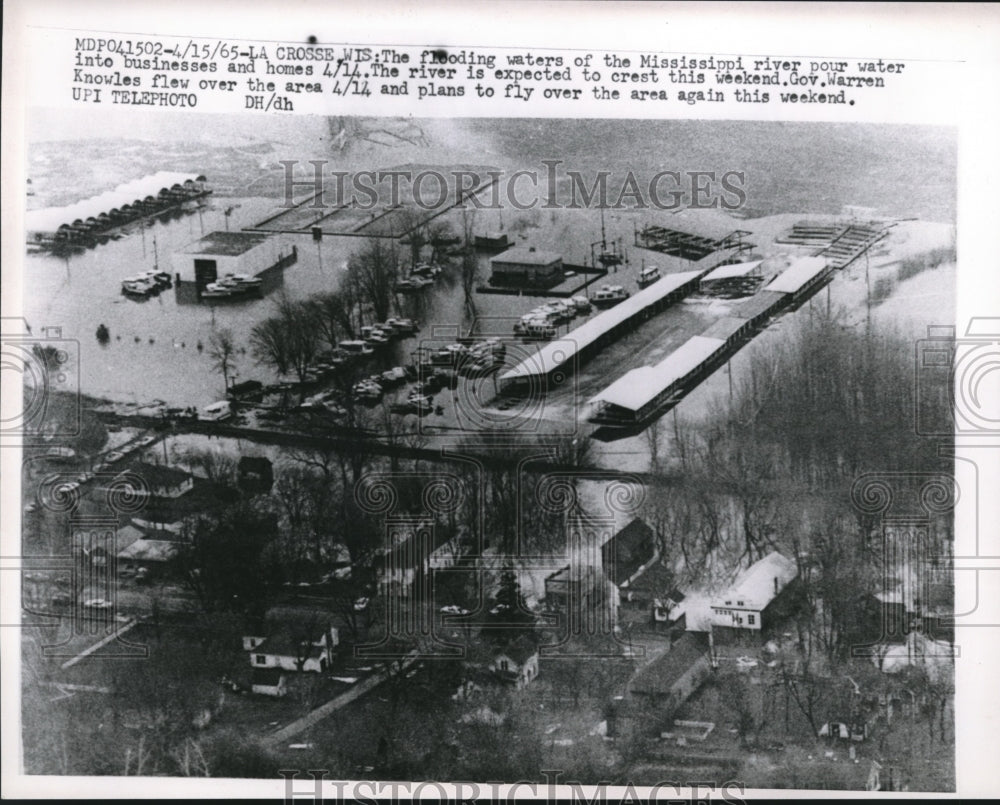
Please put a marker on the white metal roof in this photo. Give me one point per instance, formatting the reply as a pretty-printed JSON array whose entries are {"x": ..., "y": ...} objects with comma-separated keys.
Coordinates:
[
  {"x": 640, "y": 386},
  {"x": 558, "y": 352},
  {"x": 798, "y": 274},
  {"x": 733, "y": 270},
  {"x": 760, "y": 583},
  {"x": 51, "y": 218}
]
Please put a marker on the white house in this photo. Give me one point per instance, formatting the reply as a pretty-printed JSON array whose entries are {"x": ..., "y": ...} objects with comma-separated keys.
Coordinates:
[
  {"x": 744, "y": 606},
  {"x": 294, "y": 644},
  {"x": 515, "y": 663}
]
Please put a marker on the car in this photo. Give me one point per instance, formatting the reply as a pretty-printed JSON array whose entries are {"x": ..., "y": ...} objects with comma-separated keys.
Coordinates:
[
  {"x": 97, "y": 603},
  {"x": 361, "y": 604},
  {"x": 745, "y": 663},
  {"x": 499, "y": 608},
  {"x": 146, "y": 441},
  {"x": 114, "y": 456},
  {"x": 30, "y": 508},
  {"x": 454, "y": 610}
]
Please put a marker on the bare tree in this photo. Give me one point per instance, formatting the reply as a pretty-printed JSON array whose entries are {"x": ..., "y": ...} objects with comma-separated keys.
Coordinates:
[{"x": 222, "y": 352}]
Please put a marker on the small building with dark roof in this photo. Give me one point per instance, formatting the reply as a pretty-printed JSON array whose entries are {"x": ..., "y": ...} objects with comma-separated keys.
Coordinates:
[
  {"x": 160, "y": 480},
  {"x": 526, "y": 268},
  {"x": 516, "y": 662},
  {"x": 492, "y": 241},
  {"x": 670, "y": 680},
  {"x": 269, "y": 682},
  {"x": 629, "y": 553}
]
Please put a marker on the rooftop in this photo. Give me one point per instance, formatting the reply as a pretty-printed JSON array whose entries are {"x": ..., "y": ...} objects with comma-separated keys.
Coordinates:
[
  {"x": 798, "y": 274},
  {"x": 732, "y": 270},
  {"x": 519, "y": 650},
  {"x": 760, "y": 583},
  {"x": 639, "y": 387},
  {"x": 269, "y": 677},
  {"x": 527, "y": 256},
  {"x": 225, "y": 244},
  {"x": 149, "y": 550},
  {"x": 158, "y": 475},
  {"x": 51, "y": 218},
  {"x": 659, "y": 677},
  {"x": 561, "y": 350},
  {"x": 628, "y": 550}
]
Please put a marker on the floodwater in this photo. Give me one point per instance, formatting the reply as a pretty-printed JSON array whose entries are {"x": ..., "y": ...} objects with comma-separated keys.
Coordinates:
[{"x": 153, "y": 351}]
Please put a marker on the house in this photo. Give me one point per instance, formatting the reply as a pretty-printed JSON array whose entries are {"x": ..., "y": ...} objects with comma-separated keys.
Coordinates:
[
  {"x": 754, "y": 604},
  {"x": 515, "y": 663},
  {"x": 147, "y": 556},
  {"x": 415, "y": 557},
  {"x": 161, "y": 481},
  {"x": 293, "y": 640},
  {"x": 527, "y": 268},
  {"x": 255, "y": 474},
  {"x": 579, "y": 590},
  {"x": 670, "y": 609},
  {"x": 656, "y": 692},
  {"x": 269, "y": 682},
  {"x": 492, "y": 241},
  {"x": 629, "y": 554},
  {"x": 170, "y": 515},
  {"x": 672, "y": 678}
]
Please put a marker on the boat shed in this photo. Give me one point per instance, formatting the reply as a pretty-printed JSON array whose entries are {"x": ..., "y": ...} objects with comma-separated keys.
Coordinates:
[
  {"x": 221, "y": 253},
  {"x": 760, "y": 307},
  {"x": 637, "y": 394},
  {"x": 732, "y": 278},
  {"x": 801, "y": 278},
  {"x": 564, "y": 354},
  {"x": 126, "y": 202},
  {"x": 526, "y": 268}
]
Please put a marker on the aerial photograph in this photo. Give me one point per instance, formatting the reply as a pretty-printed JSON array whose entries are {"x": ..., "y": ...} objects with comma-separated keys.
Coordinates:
[{"x": 475, "y": 449}]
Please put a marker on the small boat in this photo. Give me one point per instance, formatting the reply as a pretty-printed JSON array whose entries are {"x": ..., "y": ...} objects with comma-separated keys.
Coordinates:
[
  {"x": 216, "y": 290},
  {"x": 356, "y": 348},
  {"x": 139, "y": 286},
  {"x": 648, "y": 276},
  {"x": 401, "y": 326},
  {"x": 243, "y": 282},
  {"x": 374, "y": 336},
  {"x": 609, "y": 295},
  {"x": 539, "y": 329},
  {"x": 581, "y": 303}
]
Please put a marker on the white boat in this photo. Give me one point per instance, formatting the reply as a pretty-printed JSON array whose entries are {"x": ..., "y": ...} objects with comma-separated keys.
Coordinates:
[
  {"x": 243, "y": 282},
  {"x": 609, "y": 295},
  {"x": 581, "y": 303},
  {"x": 139, "y": 286},
  {"x": 648, "y": 276},
  {"x": 356, "y": 348},
  {"x": 216, "y": 290}
]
